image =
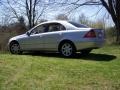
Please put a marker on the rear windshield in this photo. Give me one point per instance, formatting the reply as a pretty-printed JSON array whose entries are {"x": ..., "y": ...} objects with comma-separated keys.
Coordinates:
[{"x": 78, "y": 25}]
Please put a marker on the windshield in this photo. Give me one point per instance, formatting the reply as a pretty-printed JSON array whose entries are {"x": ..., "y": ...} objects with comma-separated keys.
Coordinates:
[{"x": 78, "y": 25}]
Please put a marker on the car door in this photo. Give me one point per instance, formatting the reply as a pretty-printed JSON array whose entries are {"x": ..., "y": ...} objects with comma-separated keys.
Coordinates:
[
  {"x": 34, "y": 41},
  {"x": 52, "y": 37}
]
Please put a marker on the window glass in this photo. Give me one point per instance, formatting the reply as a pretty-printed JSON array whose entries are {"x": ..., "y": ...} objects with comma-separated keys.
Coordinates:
[
  {"x": 47, "y": 28},
  {"x": 53, "y": 27},
  {"x": 56, "y": 27},
  {"x": 62, "y": 27},
  {"x": 39, "y": 29}
]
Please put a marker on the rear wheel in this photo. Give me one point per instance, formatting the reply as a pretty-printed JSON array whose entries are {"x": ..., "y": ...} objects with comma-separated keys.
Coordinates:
[
  {"x": 15, "y": 48},
  {"x": 67, "y": 49}
]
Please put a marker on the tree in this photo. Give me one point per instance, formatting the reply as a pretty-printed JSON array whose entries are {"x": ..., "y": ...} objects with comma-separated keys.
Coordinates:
[
  {"x": 113, "y": 7},
  {"x": 21, "y": 20},
  {"x": 21, "y": 24},
  {"x": 99, "y": 24},
  {"x": 83, "y": 19},
  {"x": 31, "y": 10},
  {"x": 42, "y": 20},
  {"x": 61, "y": 17}
]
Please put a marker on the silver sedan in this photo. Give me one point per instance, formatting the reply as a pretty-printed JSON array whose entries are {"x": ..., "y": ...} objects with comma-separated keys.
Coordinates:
[{"x": 58, "y": 36}]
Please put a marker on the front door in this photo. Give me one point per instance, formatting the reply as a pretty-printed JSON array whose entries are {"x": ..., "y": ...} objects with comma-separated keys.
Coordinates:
[{"x": 34, "y": 41}]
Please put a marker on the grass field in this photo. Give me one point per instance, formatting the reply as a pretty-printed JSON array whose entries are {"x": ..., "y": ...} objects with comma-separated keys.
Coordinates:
[{"x": 98, "y": 71}]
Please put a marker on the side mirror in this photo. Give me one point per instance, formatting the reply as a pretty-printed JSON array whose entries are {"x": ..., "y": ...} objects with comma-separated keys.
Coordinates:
[{"x": 27, "y": 33}]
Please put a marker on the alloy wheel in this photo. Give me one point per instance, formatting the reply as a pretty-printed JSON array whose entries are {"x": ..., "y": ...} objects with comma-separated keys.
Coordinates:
[
  {"x": 15, "y": 48},
  {"x": 67, "y": 49}
]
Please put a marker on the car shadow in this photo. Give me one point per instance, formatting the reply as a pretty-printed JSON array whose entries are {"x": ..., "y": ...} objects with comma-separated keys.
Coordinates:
[
  {"x": 91, "y": 56},
  {"x": 97, "y": 57}
]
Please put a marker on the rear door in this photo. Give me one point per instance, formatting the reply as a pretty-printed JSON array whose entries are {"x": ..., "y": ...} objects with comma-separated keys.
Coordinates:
[{"x": 53, "y": 36}]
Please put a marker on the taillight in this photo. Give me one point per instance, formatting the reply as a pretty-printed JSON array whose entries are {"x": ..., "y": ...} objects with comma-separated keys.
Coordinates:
[{"x": 90, "y": 34}]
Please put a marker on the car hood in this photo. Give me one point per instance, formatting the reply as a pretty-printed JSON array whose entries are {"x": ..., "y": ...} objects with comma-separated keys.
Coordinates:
[{"x": 18, "y": 37}]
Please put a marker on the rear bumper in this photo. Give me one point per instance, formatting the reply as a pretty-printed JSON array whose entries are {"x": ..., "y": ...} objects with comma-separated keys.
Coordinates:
[{"x": 89, "y": 45}]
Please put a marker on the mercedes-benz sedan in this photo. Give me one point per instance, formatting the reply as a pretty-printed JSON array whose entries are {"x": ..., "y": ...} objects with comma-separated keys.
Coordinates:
[{"x": 58, "y": 36}]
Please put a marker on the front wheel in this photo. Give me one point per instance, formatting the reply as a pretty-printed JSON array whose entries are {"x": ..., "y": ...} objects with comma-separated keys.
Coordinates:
[
  {"x": 67, "y": 49},
  {"x": 15, "y": 48}
]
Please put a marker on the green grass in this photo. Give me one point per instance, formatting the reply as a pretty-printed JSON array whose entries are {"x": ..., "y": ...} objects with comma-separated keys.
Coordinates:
[{"x": 98, "y": 71}]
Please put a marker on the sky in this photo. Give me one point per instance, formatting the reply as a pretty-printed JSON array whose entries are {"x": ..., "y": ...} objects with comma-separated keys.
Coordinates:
[{"x": 91, "y": 12}]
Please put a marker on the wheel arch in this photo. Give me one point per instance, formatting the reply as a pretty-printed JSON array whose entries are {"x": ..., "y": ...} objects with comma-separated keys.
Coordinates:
[
  {"x": 13, "y": 41},
  {"x": 66, "y": 40}
]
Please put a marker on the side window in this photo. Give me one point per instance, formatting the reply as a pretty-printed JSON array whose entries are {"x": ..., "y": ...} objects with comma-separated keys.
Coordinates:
[
  {"x": 56, "y": 27},
  {"x": 53, "y": 27},
  {"x": 39, "y": 29},
  {"x": 62, "y": 27}
]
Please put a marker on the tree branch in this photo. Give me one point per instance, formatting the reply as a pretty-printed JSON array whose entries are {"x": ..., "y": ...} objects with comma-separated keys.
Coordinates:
[{"x": 13, "y": 10}]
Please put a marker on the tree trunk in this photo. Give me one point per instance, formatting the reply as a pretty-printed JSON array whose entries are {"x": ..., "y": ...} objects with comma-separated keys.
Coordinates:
[
  {"x": 118, "y": 33},
  {"x": 30, "y": 13}
]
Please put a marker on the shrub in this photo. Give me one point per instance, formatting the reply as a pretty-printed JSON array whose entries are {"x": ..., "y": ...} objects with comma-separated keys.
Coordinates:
[
  {"x": 111, "y": 35},
  {"x": 6, "y": 32}
]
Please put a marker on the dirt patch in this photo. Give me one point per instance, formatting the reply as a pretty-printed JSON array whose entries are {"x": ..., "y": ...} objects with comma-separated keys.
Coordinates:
[{"x": 1, "y": 62}]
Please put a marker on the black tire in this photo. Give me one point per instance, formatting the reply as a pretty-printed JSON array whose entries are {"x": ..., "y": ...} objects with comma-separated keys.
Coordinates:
[
  {"x": 15, "y": 48},
  {"x": 86, "y": 52},
  {"x": 67, "y": 49}
]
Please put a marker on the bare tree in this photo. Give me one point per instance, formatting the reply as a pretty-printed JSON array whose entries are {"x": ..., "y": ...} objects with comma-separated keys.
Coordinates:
[
  {"x": 31, "y": 10},
  {"x": 61, "y": 17},
  {"x": 83, "y": 19},
  {"x": 42, "y": 20},
  {"x": 113, "y": 7}
]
